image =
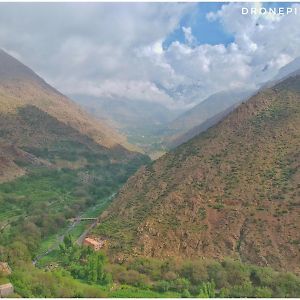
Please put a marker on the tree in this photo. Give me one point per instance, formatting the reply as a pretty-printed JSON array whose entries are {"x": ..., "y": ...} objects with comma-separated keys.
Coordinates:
[
  {"x": 196, "y": 272},
  {"x": 68, "y": 241},
  {"x": 207, "y": 290}
]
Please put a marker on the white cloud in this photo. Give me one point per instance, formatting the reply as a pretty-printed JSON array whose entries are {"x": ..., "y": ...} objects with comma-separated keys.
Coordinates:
[
  {"x": 115, "y": 50},
  {"x": 190, "y": 39},
  {"x": 110, "y": 89}
]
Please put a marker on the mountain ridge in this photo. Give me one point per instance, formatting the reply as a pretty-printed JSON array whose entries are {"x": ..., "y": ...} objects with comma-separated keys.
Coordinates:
[
  {"x": 230, "y": 191},
  {"x": 22, "y": 86},
  {"x": 27, "y": 106}
]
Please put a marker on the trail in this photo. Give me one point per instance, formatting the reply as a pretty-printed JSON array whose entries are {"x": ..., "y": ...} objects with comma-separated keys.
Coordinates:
[
  {"x": 79, "y": 241},
  {"x": 58, "y": 242},
  {"x": 85, "y": 233}
]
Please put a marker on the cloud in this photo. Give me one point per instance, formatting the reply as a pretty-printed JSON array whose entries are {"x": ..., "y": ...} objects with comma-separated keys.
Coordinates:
[
  {"x": 116, "y": 89},
  {"x": 190, "y": 39},
  {"x": 116, "y": 50}
]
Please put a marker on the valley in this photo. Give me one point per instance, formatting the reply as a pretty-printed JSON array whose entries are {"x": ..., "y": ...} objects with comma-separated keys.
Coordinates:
[{"x": 190, "y": 201}]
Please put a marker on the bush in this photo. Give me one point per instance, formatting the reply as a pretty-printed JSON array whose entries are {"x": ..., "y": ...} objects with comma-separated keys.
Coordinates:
[
  {"x": 179, "y": 285},
  {"x": 161, "y": 286},
  {"x": 287, "y": 285},
  {"x": 237, "y": 274},
  {"x": 134, "y": 278},
  {"x": 263, "y": 292},
  {"x": 207, "y": 290},
  {"x": 217, "y": 273},
  {"x": 195, "y": 272}
]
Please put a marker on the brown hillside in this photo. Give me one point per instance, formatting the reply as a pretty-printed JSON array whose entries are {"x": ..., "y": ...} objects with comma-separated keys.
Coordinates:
[
  {"x": 20, "y": 86},
  {"x": 40, "y": 126},
  {"x": 231, "y": 191}
]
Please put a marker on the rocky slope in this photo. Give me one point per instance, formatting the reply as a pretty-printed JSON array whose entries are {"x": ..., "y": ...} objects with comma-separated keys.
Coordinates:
[{"x": 231, "y": 191}]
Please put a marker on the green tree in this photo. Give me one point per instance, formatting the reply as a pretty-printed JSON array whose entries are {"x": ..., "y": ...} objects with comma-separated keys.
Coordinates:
[{"x": 207, "y": 290}]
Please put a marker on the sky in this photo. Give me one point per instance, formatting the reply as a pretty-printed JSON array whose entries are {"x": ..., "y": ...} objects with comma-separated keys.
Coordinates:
[{"x": 171, "y": 54}]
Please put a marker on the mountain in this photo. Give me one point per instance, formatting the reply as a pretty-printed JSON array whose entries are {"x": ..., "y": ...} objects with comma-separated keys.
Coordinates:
[
  {"x": 56, "y": 163},
  {"x": 287, "y": 70},
  {"x": 176, "y": 140},
  {"x": 140, "y": 121},
  {"x": 232, "y": 191},
  {"x": 127, "y": 113},
  {"x": 206, "y": 109},
  {"x": 39, "y": 125},
  {"x": 20, "y": 86},
  {"x": 292, "y": 68}
]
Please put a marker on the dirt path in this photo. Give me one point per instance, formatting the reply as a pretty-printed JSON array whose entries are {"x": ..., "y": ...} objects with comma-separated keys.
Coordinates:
[
  {"x": 86, "y": 232},
  {"x": 79, "y": 241}
]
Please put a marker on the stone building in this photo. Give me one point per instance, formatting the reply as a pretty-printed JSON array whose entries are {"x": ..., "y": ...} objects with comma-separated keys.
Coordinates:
[{"x": 95, "y": 243}]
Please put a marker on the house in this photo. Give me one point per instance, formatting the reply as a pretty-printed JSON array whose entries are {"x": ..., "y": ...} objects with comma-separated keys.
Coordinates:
[
  {"x": 6, "y": 290},
  {"x": 95, "y": 243}
]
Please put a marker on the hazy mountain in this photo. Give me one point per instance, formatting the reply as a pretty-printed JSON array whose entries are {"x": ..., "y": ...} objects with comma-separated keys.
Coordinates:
[
  {"x": 176, "y": 140},
  {"x": 204, "y": 115},
  {"x": 205, "y": 110},
  {"x": 292, "y": 68},
  {"x": 127, "y": 113},
  {"x": 140, "y": 121},
  {"x": 287, "y": 70},
  {"x": 232, "y": 191}
]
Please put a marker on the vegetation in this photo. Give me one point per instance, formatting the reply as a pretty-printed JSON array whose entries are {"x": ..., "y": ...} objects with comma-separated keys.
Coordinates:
[
  {"x": 40, "y": 204},
  {"x": 80, "y": 272},
  {"x": 234, "y": 189}
]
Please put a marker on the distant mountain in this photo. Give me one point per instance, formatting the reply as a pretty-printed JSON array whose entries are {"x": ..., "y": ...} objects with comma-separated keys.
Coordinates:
[
  {"x": 127, "y": 113},
  {"x": 205, "y": 110},
  {"x": 232, "y": 191},
  {"x": 39, "y": 125},
  {"x": 140, "y": 121},
  {"x": 204, "y": 115},
  {"x": 176, "y": 140},
  {"x": 292, "y": 68},
  {"x": 287, "y": 70}
]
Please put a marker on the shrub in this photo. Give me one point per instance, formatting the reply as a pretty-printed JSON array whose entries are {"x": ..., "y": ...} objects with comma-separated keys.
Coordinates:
[
  {"x": 161, "y": 286},
  {"x": 217, "y": 273},
  {"x": 195, "y": 272},
  {"x": 263, "y": 292},
  {"x": 207, "y": 290},
  {"x": 134, "y": 278},
  {"x": 236, "y": 272},
  {"x": 179, "y": 285}
]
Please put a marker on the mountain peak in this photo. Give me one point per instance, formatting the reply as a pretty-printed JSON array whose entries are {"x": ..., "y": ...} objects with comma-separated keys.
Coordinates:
[{"x": 12, "y": 69}]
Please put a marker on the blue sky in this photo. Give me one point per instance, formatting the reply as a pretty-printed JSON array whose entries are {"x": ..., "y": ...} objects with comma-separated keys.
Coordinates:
[
  {"x": 204, "y": 31},
  {"x": 207, "y": 32}
]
